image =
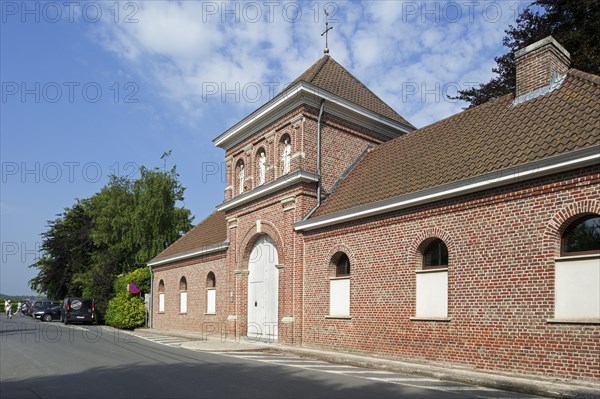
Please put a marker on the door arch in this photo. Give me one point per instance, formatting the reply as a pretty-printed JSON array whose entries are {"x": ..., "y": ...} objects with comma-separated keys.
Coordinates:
[{"x": 263, "y": 290}]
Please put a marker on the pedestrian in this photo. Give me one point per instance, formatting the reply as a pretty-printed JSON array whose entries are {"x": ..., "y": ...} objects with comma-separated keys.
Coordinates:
[
  {"x": 6, "y": 306},
  {"x": 19, "y": 304},
  {"x": 9, "y": 310}
]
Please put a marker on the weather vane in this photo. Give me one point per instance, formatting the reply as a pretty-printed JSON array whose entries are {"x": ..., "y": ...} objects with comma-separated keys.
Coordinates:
[{"x": 327, "y": 29}]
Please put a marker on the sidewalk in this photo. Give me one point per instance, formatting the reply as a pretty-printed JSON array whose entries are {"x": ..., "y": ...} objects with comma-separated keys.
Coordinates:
[{"x": 534, "y": 385}]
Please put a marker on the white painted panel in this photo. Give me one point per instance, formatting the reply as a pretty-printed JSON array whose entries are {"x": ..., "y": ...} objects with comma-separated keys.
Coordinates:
[
  {"x": 339, "y": 297},
  {"x": 432, "y": 294},
  {"x": 161, "y": 302},
  {"x": 211, "y": 301},
  {"x": 183, "y": 302},
  {"x": 577, "y": 289}
]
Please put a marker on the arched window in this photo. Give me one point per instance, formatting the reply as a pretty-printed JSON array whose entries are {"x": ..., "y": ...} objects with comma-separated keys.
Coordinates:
[
  {"x": 342, "y": 266},
  {"x": 211, "y": 293},
  {"x": 183, "y": 295},
  {"x": 161, "y": 296},
  {"x": 339, "y": 286},
  {"x": 432, "y": 281},
  {"x": 577, "y": 272},
  {"x": 211, "y": 282},
  {"x": 582, "y": 236},
  {"x": 435, "y": 254}
]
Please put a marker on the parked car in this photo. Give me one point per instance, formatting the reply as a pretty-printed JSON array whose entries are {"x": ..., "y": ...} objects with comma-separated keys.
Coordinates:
[
  {"x": 49, "y": 314},
  {"x": 38, "y": 304},
  {"x": 78, "y": 310}
]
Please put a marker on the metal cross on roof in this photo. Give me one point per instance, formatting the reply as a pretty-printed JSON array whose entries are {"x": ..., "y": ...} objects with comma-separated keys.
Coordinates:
[{"x": 327, "y": 29}]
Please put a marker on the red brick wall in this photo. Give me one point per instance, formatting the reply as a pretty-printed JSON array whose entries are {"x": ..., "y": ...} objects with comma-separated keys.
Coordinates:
[
  {"x": 501, "y": 244},
  {"x": 342, "y": 143},
  {"x": 195, "y": 271}
]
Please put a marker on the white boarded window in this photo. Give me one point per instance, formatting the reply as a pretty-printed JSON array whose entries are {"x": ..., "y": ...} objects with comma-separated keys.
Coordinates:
[
  {"x": 339, "y": 287},
  {"x": 432, "y": 294},
  {"x": 183, "y": 295},
  {"x": 577, "y": 274},
  {"x": 161, "y": 302},
  {"x": 161, "y": 296},
  {"x": 211, "y": 294},
  {"x": 432, "y": 281},
  {"x": 577, "y": 289}
]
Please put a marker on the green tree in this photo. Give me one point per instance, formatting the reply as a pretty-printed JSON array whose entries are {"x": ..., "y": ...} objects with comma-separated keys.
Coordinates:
[
  {"x": 573, "y": 23},
  {"x": 67, "y": 249},
  {"x": 112, "y": 233},
  {"x": 127, "y": 310},
  {"x": 157, "y": 221}
]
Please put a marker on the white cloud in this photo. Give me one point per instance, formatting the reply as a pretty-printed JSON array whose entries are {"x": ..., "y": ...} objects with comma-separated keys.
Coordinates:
[{"x": 184, "y": 49}]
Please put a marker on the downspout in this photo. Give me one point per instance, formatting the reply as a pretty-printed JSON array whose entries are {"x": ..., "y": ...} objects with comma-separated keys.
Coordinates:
[
  {"x": 319, "y": 153},
  {"x": 151, "y": 297}
]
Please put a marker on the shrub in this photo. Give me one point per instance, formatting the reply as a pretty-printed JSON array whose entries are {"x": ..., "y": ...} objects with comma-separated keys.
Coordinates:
[
  {"x": 125, "y": 311},
  {"x": 139, "y": 276}
]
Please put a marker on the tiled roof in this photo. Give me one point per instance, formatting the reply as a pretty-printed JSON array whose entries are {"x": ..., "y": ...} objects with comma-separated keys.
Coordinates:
[
  {"x": 330, "y": 76},
  {"x": 490, "y": 137},
  {"x": 210, "y": 231}
]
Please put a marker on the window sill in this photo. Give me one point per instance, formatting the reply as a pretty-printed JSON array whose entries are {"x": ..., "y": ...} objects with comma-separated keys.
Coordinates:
[
  {"x": 420, "y": 318},
  {"x": 340, "y": 278},
  {"x": 210, "y": 314},
  {"x": 441, "y": 269},
  {"x": 161, "y": 312},
  {"x": 573, "y": 321},
  {"x": 331, "y": 317},
  {"x": 565, "y": 258},
  {"x": 183, "y": 314}
]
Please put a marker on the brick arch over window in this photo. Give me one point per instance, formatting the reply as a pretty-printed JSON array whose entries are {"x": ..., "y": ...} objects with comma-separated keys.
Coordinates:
[
  {"x": 161, "y": 286},
  {"x": 183, "y": 284},
  {"x": 561, "y": 220},
  {"x": 251, "y": 236},
  {"x": 333, "y": 256},
  {"x": 423, "y": 239}
]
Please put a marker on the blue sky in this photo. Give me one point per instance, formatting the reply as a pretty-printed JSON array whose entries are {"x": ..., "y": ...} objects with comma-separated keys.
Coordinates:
[{"x": 91, "y": 89}]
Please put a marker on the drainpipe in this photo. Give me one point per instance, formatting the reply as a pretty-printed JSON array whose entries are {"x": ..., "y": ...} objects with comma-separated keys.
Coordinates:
[
  {"x": 319, "y": 152},
  {"x": 151, "y": 297}
]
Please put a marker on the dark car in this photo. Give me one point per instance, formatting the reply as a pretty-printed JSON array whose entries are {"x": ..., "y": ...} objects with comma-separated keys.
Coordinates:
[
  {"x": 78, "y": 310},
  {"x": 38, "y": 304},
  {"x": 49, "y": 314}
]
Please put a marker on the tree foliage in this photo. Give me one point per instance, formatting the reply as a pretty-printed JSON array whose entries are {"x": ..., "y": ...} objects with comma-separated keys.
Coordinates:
[
  {"x": 67, "y": 248},
  {"x": 127, "y": 310},
  {"x": 573, "y": 23},
  {"x": 114, "y": 232}
]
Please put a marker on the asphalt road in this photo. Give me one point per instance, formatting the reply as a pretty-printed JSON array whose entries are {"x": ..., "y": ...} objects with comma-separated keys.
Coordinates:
[{"x": 50, "y": 360}]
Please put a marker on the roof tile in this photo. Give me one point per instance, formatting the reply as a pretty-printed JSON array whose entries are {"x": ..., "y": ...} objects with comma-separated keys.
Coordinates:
[
  {"x": 490, "y": 137},
  {"x": 330, "y": 76},
  {"x": 210, "y": 231}
]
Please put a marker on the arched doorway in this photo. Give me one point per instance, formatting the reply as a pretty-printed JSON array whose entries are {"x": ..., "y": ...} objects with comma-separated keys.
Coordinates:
[{"x": 263, "y": 289}]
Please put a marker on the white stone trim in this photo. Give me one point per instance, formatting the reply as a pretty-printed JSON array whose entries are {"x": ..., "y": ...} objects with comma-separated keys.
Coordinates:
[
  {"x": 303, "y": 90},
  {"x": 284, "y": 181}
]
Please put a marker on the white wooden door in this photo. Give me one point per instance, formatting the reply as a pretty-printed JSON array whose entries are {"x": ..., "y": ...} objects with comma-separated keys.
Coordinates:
[{"x": 263, "y": 289}]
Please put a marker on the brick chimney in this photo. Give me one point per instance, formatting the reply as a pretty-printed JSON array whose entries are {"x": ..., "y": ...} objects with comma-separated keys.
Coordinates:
[{"x": 539, "y": 64}]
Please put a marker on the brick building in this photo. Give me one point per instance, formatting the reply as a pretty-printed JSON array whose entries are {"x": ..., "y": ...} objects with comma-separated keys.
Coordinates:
[{"x": 474, "y": 241}]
